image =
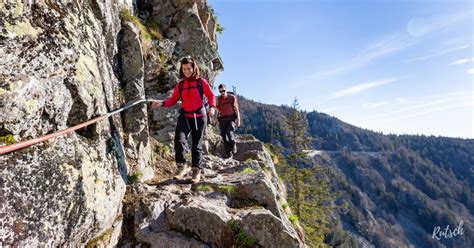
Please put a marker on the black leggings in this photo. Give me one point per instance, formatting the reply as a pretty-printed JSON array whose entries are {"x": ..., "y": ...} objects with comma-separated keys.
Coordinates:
[
  {"x": 227, "y": 127},
  {"x": 184, "y": 126}
]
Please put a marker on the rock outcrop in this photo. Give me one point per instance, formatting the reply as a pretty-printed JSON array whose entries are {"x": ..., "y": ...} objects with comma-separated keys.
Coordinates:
[
  {"x": 56, "y": 70},
  {"x": 63, "y": 63},
  {"x": 237, "y": 204}
]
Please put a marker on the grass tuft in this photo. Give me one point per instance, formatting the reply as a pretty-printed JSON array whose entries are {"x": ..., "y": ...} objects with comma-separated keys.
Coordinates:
[
  {"x": 293, "y": 219},
  {"x": 135, "y": 177},
  {"x": 241, "y": 238},
  {"x": 249, "y": 171},
  {"x": 204, "y": 187},
  {"x": 227, "y": 189}
]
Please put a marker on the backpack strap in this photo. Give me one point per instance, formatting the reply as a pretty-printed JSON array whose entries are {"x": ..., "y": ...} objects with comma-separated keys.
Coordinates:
[
  {"x": 198, "y": 86},
  {"x": 201, "y": 90},
  {"x": 231, "y": 100},
  {"x": 180, "y": 87}
]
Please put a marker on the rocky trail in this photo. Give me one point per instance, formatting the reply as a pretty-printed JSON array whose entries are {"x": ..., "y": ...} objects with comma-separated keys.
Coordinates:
[{"x": 238, "y": 203}]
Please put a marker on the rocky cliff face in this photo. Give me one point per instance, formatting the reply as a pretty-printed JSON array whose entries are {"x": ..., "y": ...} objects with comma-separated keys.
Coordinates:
[
  {"x": 56, "y": 71},
  {"x": 64, "y": 63}
]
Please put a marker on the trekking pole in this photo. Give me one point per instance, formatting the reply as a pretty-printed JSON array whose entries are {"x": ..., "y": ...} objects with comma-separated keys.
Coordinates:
[{"x": 26, "y": 143}]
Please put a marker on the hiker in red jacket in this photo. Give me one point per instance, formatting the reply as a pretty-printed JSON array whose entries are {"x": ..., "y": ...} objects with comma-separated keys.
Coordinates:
[
  {"x": 192, "y": 119},
  {"x": 229, "y": 119}
]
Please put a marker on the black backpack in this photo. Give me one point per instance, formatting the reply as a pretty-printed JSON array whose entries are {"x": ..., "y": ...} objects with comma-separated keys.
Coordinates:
[{"x": 201, "y": 93}]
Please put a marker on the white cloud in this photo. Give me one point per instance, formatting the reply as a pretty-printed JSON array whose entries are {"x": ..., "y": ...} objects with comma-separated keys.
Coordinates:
[
  {"x": 374, "y": 105},
  {"x": 454, "y": 41},
  {"x": 454, "y": 105},
  {"x": 420, "y": 26},
  {"x": 461, "y": 61},
  {"x": 401, "y": 100},
  {"x": 361, "y": 88},
  {"x": 426, "y": 105},
  {"x": 437, "y": 54},
  {"x": 384, "y": 46},
  {"x": 380, "y": 48}
]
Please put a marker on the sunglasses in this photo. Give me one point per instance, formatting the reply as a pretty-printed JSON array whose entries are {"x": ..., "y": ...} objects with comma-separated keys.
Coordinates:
[{"x": 221, "y": 91}]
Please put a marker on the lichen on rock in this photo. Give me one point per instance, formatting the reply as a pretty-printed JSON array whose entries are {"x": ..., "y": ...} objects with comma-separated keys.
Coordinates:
[{"x": 22, "y": 29}]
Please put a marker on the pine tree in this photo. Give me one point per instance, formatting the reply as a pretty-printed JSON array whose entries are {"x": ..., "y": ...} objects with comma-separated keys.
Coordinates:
[
  {"x": 297, "y": 125},
  {"x": 310, "y": 194}
]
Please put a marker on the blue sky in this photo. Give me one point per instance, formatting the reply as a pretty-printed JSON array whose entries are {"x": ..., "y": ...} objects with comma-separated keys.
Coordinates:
[{"x": 404, "y": 67}]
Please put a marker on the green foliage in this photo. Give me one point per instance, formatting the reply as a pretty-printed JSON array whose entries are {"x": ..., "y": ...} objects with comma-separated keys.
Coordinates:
[
  {"x": 122, "y": 92},
  {"x": 6, "y": 136},
  {"x": 249, "y": 171},
  {"x": 244, "y": 240},
  {"x": 122, "y": 95},
  {"x": 148, "y": 31},
  {"x": 296, "y": 125},
  {"x": 339, "y": 238},
  {"x": 204, "y": 187},
  {"x": 219, "y": 28},
  {"x": 241, "y": 238},
  {"x": 7, "y": 139},
  {"x": 234, "y": 225},
  {"x": 262, "y": 121},
  {"x": 135, "y": 177},
  {"x": 284, "y": 205},
  {"x": 293, "y": 219},
  {"x": 153, "y": 29},
  {"x": 227, "y": 189},
  {"x": 163, "y": 150},
  {"x": 166, "y": 149},
  {"x": 309, "y": 193}
]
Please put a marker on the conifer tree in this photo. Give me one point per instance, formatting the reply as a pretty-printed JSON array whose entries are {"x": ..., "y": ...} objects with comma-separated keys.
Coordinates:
[
  {"x": 296, "y": 125},
  {"x": 310, "y": 194}
]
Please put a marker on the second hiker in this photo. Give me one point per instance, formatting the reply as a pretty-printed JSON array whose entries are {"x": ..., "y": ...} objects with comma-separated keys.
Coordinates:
[
  {"x": 192, "y": 119},
  {"x": 229, "y": 119}
]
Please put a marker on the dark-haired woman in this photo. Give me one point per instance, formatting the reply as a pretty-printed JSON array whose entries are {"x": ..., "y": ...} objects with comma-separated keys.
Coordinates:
[{"x": 191, "y": 89}]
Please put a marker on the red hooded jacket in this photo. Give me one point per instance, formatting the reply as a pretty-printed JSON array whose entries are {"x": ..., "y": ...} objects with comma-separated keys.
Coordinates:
[{"x": 191, "y": 97}]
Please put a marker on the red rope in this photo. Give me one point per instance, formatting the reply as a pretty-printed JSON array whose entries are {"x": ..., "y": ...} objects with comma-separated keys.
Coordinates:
[{"x": 14, "y": 147}]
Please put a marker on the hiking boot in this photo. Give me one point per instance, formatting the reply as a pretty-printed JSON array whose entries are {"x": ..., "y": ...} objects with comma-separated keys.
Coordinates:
[
  {"x": 196, "y": 175},
  {"x": 183, "y": 170}
]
